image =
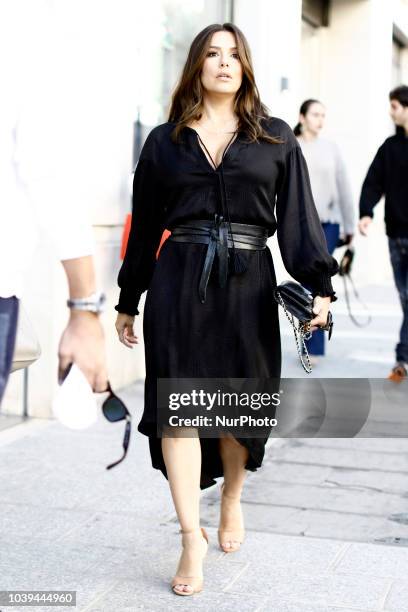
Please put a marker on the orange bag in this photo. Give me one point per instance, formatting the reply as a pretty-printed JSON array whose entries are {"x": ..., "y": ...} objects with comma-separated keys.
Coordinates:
[
  {"x": 164, "y": 237},
  {"x": 125, "y": 237}
]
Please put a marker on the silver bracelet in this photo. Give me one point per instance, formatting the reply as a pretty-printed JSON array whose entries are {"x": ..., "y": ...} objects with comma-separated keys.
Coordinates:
[{"x": 93, "y": 303}]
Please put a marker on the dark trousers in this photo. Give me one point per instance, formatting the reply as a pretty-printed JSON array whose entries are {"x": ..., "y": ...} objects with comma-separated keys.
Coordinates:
[
  {"x": 8, "y": 328},
  {"x": 398, "y": 248},
  {"x": 315, "y": 345}
]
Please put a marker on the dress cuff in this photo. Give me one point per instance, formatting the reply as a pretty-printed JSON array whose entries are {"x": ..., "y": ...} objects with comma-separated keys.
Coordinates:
[
  {"x": 325, "y": 289},
  {"x": 362, "y": 214},
  {"x": 128, "y": 301}
]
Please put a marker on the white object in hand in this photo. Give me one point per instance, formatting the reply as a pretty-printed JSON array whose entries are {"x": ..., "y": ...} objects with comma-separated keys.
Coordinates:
[{"x": 74, "y": 404}]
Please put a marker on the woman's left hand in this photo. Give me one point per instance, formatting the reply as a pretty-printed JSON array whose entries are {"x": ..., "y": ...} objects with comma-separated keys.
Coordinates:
[{"x": 321, "y": 306}]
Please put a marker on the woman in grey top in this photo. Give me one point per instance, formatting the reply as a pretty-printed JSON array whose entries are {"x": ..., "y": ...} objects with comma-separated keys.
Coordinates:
[{"x": 330, "y": 186}]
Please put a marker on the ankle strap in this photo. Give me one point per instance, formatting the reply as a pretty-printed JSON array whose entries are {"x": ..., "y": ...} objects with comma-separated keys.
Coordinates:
[
  {"x": 199, "y": 529},
  {"x": 189, "y": 530}
]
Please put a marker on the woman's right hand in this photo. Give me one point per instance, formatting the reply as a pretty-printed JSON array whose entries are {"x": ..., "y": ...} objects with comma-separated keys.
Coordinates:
[
  {"x": 364, "y": 224},
  {"x": 124, "y": 327}
]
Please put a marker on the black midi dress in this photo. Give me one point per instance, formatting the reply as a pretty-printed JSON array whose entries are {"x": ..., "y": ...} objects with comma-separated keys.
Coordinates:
[{"x": 235, "y": 333}]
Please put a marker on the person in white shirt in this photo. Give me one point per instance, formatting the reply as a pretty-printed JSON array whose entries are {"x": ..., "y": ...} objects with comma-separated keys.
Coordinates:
[
  {"x": 24, "y": 206},
  {"x": 37, "y": 190},
  {"x": 330, "y": 187}
]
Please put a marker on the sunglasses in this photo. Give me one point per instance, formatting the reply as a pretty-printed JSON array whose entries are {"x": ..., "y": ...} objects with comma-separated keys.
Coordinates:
[{"x": 115, "y": 410}]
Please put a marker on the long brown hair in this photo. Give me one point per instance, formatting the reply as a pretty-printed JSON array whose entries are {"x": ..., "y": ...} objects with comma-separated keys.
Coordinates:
[{"x": 187, "y": 99}]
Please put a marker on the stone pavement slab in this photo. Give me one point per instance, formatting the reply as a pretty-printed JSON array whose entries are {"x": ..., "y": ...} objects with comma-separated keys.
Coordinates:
[
  {"x": 362, "y": 559},
  {"x": 353, "y": 458},
  {"x": 133, "y": 599},
  {"x": 309, "y": 487},
  {"x": 398, "y": 597},
  {"x": 312, "y": 588}
]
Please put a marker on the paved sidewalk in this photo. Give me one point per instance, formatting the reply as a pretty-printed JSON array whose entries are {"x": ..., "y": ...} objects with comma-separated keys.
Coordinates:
[
  {"x": 326, "y": 520},
  {"x": 316, "y": 515}
]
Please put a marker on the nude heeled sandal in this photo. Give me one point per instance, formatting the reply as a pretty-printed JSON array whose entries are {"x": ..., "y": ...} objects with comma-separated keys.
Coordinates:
[
  {"x": 233, "y": 536},
  {"x": 195, "y": 582}
]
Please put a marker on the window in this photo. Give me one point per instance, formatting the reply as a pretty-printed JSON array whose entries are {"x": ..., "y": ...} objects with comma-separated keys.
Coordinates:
[
  {"x": 309, "y": 62},
  {"x": 316, "y": 12},
  {"x": 399, "y": 52},
  {"x": 183, "y": 19},
  {"x": 396, "y": 75}
]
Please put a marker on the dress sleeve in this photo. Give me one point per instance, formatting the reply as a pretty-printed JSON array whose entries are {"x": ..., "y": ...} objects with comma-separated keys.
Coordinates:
[
  {"x": 144, "y": 238},
  {"x": 300, "y": 235}
]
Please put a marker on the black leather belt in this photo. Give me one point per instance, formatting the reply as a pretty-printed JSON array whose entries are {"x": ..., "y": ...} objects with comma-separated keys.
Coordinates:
[{"x": 215, "y": 233}]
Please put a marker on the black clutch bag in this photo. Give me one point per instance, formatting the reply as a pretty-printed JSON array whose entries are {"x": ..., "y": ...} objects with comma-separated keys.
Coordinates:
[
  {"x": 297, "y": 303},
  {"x": 296, "y": 299}
]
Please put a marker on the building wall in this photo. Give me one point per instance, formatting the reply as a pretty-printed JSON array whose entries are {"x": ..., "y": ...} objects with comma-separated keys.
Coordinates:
[{"x": 273, "y": 31}]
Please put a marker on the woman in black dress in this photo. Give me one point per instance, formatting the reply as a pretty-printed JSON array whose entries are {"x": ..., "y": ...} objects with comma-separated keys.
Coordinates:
[{"x": 218, "y": 169}]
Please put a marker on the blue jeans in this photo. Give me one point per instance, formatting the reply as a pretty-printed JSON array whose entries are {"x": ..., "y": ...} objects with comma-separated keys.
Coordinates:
[
  {"x": 398, "y": 248},
  {"x": 315, "y": 345},
  {"x": 8, "y": 328}
]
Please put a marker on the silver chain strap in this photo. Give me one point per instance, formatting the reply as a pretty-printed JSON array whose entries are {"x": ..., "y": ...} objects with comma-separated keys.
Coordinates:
[{"x": 303, "y": 332}]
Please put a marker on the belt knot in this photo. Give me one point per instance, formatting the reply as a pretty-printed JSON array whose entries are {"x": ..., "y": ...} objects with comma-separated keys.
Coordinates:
[{"x": 218, "y": 243}]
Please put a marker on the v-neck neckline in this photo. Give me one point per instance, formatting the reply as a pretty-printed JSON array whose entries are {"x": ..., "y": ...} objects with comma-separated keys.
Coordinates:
[{"x": 203, "y": 154}]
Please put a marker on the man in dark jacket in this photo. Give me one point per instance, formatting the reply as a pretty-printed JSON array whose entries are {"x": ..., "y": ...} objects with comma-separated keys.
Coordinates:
[{"x": 388, "y": 175}]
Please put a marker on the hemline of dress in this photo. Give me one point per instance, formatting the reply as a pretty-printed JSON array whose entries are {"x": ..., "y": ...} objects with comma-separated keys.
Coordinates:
[{"x": 207, "y": 480}]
